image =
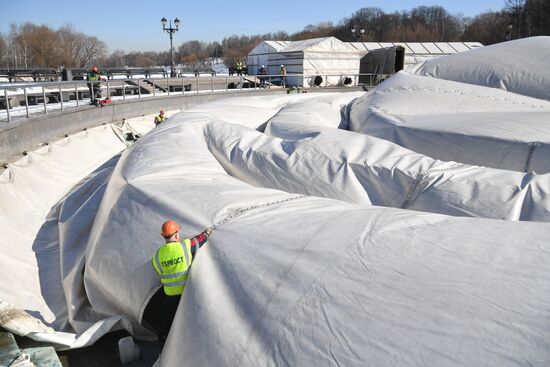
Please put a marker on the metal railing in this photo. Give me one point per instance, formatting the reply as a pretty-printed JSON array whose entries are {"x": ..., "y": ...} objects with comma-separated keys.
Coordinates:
[{"x": 26, "y": 98}]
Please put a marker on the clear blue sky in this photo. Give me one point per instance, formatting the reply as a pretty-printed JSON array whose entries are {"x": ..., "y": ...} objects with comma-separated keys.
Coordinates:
[{"x": 134, "y": 25}]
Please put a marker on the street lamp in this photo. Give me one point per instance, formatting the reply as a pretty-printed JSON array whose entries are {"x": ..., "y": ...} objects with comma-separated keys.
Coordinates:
[
  {"x": 509, "y": 31},
  {"x": 356, "y": 34},
  {"x": 171, "y": 31}
]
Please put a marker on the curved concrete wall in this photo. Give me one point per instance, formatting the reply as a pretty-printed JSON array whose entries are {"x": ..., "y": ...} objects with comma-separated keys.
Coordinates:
[{"x": 25, "y": 134}]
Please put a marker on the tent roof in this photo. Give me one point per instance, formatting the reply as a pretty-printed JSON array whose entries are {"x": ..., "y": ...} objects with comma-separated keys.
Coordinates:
[
  {"x": 319, "y": 44},
  {"x": 269, "y": 47},
  {"x": 431, "y": 48},
  {"x": 311, "y": 45},
  {"x": 334, "y": 44}
]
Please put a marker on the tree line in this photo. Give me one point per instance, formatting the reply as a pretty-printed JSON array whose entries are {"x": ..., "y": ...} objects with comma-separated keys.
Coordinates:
[{"x": 39, "y": 46}]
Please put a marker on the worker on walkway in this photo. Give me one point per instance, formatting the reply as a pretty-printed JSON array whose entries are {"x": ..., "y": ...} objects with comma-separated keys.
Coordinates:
[
  {"x": 172, "y": 263},
  {"x": 262, "y": 71},
  {"x": 282, "y": 73},
  {"x": 95, "y": 88},
  {"x": 239, "y": 67},
  {"x": 160, "y": 118}
]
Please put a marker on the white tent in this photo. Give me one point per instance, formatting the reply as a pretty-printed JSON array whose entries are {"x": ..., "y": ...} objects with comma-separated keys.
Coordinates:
[
  {"x": 260, "y": 55},
  {"x": 328, "y": 58}
]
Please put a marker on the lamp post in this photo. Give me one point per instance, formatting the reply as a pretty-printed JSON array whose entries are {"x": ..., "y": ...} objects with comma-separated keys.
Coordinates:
[
  {"x": 171, "y": 31},
  {"x": 509, "y": 31},
  {"x": 357, "y": 33}
]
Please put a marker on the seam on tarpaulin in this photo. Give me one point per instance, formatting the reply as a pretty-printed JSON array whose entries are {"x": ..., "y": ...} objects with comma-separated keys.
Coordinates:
[
  {"x": 240, "y": 212},
  {"x": 417, "y": 180},
  {"x": 532, "y": 147},
  {"x": 371, "y": 114},
  {"x": 463, "y": 92}
]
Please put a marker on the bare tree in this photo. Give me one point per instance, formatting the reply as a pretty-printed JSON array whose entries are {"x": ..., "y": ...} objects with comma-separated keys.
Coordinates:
[
  {"x": 3, "y": 52},
  {"x": 38, "y": 45},
  {"x": 537, "y": 13},
  {"x": 322, "y": 29},
  {"x": 445, "y": 27},
  {"x": 516, "y": 9},
  {"x": 71, "y": 44},
  {"x": 93, "y": 49},
  {"x": 487, "y": 28}
]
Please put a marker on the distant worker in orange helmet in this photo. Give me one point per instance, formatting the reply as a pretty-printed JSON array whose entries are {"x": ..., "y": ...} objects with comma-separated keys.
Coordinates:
[
  {"x": 160, "y": 118},
  {"x": 94, "y": 87},
  {"x": 172, "y": 262}
]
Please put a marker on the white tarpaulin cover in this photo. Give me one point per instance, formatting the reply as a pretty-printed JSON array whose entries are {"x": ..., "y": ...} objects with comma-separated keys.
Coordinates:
[
  {"x": 40, "y": 264},
  {"x": 328, "y": 57},
  {"x": 519, "y": 66},
  {"x": 449, "y": 120},
  {"x": 312, "y": 260}
]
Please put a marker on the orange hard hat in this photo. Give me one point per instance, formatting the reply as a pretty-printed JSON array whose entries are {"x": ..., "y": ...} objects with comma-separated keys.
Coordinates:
[
  {"x": 169, "y": 228},
  {"x": 162, "y": 112},
  {"x": 94, "y": 69}
]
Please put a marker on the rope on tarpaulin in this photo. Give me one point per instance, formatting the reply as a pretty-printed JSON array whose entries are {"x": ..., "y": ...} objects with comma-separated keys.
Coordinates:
[
  {"x": 420, "y": 177},
  {"x": 240, "y": 212}
]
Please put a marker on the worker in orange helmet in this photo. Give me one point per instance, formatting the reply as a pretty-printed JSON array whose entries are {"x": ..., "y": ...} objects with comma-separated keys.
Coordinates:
[
  {"x": 160, "y": 118},
  {"x": 94, "y": 86},
  {"x": 172, "y": 262}
]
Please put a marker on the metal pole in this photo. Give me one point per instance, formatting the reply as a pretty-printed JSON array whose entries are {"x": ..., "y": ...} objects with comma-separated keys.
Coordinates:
[
  {"x": 153, "y": 80},
  {"x": 61, "y": 97},
  {"x": 226, "y": 86},
  {"x": 76, "y": 94},
  {"x": 7, "y": 104},
  {"x": 212, "y": 83},
  {"x": 44, "y": 97},
  {"x": 139, "y": 88},
  {"x": 241, "y": 83},
  {"x": 197, "y": 78},
  {"x": 108, "y": 89},
  {"x": 123, "y": 90},
  {"x": 168, "y": 86},
  {"x": 182, "y": 86},
  {"x": 171, "y": 52},
  {"x": 26, "y": 101}
]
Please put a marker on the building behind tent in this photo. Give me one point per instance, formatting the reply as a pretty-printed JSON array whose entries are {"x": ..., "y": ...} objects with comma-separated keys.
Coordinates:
[{"x": 328, "y": 61}]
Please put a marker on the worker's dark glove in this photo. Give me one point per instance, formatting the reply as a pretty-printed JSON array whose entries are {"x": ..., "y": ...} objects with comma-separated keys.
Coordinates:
[{"x": 208, "y": 231}]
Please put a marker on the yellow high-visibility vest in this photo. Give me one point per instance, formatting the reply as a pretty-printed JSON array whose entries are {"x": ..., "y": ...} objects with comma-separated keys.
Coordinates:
[
  {"x": 93, "y": 76},
  {"x": 172, "y": 262},
  {"x": 159, "y": 119}
]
